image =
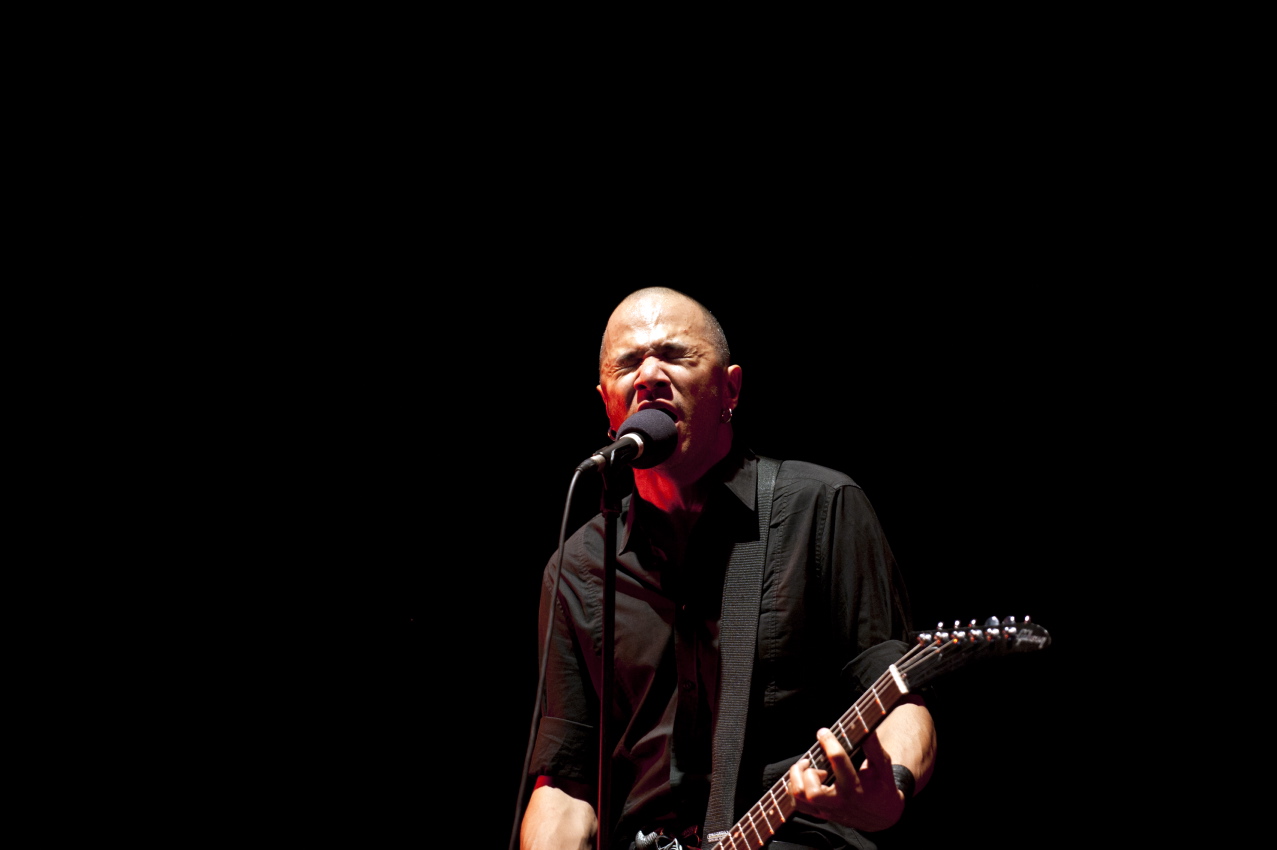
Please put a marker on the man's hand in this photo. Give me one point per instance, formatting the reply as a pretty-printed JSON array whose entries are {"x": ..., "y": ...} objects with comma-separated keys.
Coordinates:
[
  {"x": 864, "y": 798},
  {"x": 558, "y": 817}
]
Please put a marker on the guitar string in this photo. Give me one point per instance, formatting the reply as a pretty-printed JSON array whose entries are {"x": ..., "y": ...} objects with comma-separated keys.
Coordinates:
[
  {"x": 923, "y": 652},
  {"x": 940, "y": 645},
  {"x": 919, "y": 654},
  {"x": 817, "y": 758},
  {"x": 777, "y": 793}
]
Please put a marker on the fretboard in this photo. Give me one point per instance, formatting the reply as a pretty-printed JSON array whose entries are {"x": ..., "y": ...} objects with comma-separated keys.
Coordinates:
[{"x": 768, "y": 814}]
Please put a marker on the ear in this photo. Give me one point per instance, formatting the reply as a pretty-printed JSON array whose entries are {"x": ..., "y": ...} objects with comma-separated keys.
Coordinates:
[
  {"x": 733, "y": 375},
  {"x": 606, "y": 413}
]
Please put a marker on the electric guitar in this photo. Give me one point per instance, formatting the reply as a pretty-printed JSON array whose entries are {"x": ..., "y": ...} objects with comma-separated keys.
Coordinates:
[{"x": 934, "y": 653}]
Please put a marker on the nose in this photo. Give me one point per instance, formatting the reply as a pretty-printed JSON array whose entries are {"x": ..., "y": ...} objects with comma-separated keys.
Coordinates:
[{"x": 651, "y": 374}]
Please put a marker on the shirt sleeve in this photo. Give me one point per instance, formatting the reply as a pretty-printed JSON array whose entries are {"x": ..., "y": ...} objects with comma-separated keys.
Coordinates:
[
  {"x": 868, "y": 598},
  {"x": 834, "y": 610},
  {"x": 567, "y": 737},
  {"x": 855, "y": 631}
]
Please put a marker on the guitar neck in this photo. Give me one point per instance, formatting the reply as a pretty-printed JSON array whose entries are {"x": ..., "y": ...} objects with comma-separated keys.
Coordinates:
[
  {"x": 761, "y": 822},
  {"x": 934, "y": 653}
]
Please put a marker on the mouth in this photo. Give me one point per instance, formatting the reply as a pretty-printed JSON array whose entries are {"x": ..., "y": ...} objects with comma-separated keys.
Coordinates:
[{"x": 652, "y": 405}]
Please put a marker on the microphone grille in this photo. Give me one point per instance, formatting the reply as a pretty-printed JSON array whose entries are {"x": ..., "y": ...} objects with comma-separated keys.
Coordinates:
[{"x": 658, "y": 432}]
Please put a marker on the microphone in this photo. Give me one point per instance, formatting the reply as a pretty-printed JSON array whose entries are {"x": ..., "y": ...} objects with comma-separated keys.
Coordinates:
[{"x": 645, "y": 439}]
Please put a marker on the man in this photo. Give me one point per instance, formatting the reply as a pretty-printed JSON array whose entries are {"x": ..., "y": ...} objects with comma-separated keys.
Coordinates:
[{"x": 832, "y": 611}]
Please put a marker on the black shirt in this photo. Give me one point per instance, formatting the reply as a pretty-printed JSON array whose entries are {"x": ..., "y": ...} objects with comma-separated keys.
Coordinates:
[{"x": 832, "y": 600}]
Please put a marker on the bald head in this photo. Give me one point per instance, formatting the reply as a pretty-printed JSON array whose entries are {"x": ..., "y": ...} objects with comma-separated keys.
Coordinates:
[
  {"x": 663, "y": 350},
  {"x": 652, "y": 300}
]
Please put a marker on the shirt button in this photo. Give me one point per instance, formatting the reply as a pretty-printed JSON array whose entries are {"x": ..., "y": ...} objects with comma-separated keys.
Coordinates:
[{"x": 687, "y": 686}]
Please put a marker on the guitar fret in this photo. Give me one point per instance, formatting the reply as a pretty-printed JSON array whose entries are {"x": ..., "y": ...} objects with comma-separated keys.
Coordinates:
[
  {"x": 776, "y": 807},
  {"x": 861, "y": 718},
  {"x": 874, "y": 689},
  {"x": 750, "y": 815},
  {"x": 762, "y": 813}
]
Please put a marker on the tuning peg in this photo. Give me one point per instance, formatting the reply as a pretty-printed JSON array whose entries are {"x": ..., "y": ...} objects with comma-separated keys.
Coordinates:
[{"x": 991, "y": 622}]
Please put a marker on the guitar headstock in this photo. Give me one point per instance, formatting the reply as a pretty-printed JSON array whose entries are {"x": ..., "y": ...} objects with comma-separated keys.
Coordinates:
[{"x": 943, "y": 649}]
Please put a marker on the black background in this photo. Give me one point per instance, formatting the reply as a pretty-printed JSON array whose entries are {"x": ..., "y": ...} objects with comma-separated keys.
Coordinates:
[
  {"x": 955, "y": 285},
  {"x": 438, "y": 450}
]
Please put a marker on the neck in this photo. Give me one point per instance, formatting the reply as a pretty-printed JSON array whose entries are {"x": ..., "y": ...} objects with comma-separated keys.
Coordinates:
[
  {"x": 679, "y": 490},
  {"x": 669, "y": 496}
]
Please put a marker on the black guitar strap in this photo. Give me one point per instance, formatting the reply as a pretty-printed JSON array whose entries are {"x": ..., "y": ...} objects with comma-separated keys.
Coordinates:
[{"x": 738, "y": 638}]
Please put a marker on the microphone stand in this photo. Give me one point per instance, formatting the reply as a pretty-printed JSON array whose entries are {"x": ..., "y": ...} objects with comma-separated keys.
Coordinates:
[{"x": 610, "y": 506}]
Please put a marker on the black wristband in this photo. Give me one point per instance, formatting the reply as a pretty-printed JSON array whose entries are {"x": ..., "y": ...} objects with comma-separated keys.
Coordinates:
[{"x": 904, "y": 780}]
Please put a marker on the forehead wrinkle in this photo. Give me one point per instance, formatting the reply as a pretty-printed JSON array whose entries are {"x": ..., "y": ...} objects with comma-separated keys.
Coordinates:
[
  {"x": 660, "y": 322},
  {"x": 646, "y": 323}
]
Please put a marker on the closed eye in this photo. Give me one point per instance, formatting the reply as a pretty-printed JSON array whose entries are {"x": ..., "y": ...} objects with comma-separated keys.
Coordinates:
[{"x": 666, "y": 351}]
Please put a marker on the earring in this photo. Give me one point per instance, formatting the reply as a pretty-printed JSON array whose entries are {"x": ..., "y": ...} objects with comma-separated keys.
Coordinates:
[
  {"x": 726, "y": 415},
  {"x": 611, "y": 434}
]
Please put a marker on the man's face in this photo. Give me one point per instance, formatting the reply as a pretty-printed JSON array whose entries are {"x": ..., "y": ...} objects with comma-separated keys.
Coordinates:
[{"x": 657, "y": 353}]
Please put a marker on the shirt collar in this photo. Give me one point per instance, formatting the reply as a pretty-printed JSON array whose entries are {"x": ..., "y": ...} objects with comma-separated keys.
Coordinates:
[{"x": 737, "y": 472}]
